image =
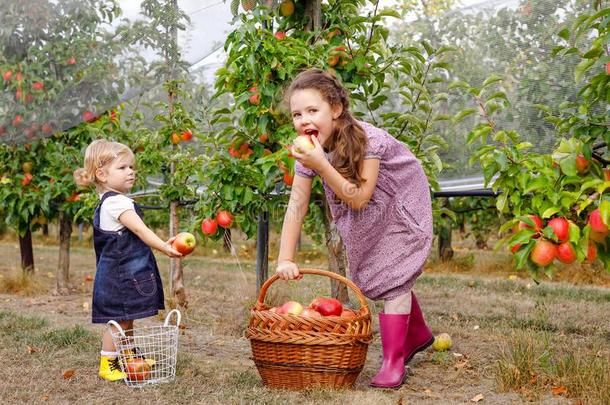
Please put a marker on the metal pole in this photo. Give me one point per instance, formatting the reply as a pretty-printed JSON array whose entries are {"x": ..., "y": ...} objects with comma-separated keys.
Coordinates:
[{"x": 262, "y": 250}]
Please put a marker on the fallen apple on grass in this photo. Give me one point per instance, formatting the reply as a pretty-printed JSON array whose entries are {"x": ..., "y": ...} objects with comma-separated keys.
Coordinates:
[
  {"x": 184, "y": 243},
  {"x": 442, "y": 342}
]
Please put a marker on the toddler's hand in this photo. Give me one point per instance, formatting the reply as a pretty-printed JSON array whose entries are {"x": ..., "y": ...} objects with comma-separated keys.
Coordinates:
[
  {"x": 287, "y": 270},
  {"x": 169, "y": 250}
]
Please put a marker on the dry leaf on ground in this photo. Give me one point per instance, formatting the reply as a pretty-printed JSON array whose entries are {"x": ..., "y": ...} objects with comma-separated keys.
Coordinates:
[
  {"x": 69, "y": 374},
  {"x": 477, "y": 398}
]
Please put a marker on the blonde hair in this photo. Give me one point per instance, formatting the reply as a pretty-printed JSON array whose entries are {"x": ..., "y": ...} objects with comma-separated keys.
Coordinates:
[{"x": 98, "y": 154}]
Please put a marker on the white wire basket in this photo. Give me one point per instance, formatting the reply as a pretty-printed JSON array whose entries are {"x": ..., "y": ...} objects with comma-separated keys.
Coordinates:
[{"x": 147, "y": 354}]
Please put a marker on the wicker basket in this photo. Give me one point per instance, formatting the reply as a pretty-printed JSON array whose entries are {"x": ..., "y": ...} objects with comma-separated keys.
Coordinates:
[{"x": 297, "y": 352}]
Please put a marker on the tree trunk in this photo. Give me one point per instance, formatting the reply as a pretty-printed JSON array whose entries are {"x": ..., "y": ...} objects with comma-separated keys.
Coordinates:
[
  {"x": 337, "y": 258},
  {"x": 45, "y": 229},
  {"x": 27, "y": 252},
  {"x": 313, "y": 9},
  {"x": 62, "y": 285},
  {"x": 445, "y": 251},
  {"x": 177, "y": 290}
]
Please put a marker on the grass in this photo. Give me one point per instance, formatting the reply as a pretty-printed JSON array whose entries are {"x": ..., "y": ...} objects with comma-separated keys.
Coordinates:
[
  {"x": 533, "y": 363},
  {"x": 515, "y": 341}
]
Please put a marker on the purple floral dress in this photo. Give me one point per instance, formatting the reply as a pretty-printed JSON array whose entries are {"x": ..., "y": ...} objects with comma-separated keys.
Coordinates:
[{"x": 387, "y": 242}]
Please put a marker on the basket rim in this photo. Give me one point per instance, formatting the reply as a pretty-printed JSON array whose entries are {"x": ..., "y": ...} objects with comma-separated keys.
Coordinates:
[{"x": 260, "y": 304}]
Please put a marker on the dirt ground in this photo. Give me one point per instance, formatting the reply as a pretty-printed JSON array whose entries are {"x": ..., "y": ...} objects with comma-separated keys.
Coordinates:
[{"x": 487, "y": 315}]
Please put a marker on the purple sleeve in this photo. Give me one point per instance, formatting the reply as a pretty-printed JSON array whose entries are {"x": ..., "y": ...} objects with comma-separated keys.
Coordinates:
[
  {"x": 303, "y": 171},
  {"x": 377, "y": 146}
]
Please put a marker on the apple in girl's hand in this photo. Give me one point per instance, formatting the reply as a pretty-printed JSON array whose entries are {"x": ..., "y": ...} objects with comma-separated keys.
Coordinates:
[
  {"x": 303, "y": 144},
  {"x": 184, "y": 243},
  {"x": 327, "y": 306},
  {"x": 137, "y": 369}
]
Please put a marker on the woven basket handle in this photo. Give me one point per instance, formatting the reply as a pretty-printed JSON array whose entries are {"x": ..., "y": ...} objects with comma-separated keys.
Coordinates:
[{"x": 363, "y": 305}]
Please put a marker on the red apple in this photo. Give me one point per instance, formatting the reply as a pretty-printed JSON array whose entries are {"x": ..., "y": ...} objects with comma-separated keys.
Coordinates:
[
  {"x": 19, "y": 76},
  {"x": 544, "y": 252},
  {"x": 187, "y": 135},
  {"x": 263, "y": 138},
  {"x": 310, "y": 312},
  {"x": 224, "y": 218},
  {"x": 209, "y": 226},
  {"x": 582, "y": 164},
  {"x": 88, "y": 116},
  {"x": 566, "y": 253},
  {"x": 290, "y": 307},
  {"x": 561, "y": 228},
  {"x": 591, "y": 253},
  {"x": 537, "y": 221},
  {"x": 27, "y": 179},
  {"x": 71, "y": 61},
  {"x": 597, "y": 237},
  {"x": 596, "y": 223},
  {"x": 46, "y": 128},
  {"x": 17, "y": 120},
  {"x": 253, "y": 89},
  {"x": 608, "y": 68},
  {"x": 288, "y": 179},
  {"x": 303, "y": 144},
  {"x": 37, "y": 85},
  {"x": 7, "y": 75},
  {"x": 137, "y": 369},
  {"x": 185, "y": 243},
  {"x": 327, "y": 306},
  {"x": 348, "y": 313},
  {"x": 606, "y": 174},
  {"x": 175, "y": 138},
  {"x": 280, "y": 35},
  {"x": 254, "y": 99}
]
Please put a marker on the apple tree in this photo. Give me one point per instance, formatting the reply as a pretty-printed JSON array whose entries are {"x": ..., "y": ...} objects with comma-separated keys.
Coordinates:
[
  {"x": 58, "y": 68},
  {"x": 251, "y": 171},
  {"x": 559, "y": 201}
]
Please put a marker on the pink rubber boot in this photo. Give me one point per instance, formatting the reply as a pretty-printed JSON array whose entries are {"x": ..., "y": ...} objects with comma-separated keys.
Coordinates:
[
  {"x": 393, "y": 330},
  {"x": 419, "y": 336}
]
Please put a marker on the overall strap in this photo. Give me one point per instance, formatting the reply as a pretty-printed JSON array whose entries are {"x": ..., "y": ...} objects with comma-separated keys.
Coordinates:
[{"x": 106, "y": 195}]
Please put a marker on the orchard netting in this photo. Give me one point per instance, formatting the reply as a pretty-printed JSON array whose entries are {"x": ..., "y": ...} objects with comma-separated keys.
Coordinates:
[{"x": 83, "y": 57}]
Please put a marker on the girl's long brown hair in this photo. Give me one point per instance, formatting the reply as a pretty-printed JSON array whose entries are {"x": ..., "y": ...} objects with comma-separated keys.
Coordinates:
[{"x": 348, "y": 140}]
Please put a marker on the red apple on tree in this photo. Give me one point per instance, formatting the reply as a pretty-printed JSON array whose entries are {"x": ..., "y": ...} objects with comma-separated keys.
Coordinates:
[
  {"x": 561, "y": 228},
  {"x": 582, "y": 164},
  {"x": 7, "y": 75},
  {"x": 187, "y": 135},
  {"x": 88, "y": 116},
  {"x": 209, "y": 226},
  {"x": 280, "y": 35},
  {"x": 544, "y": 252},
  {"x": 596, "y": 223},
  {"x": 537, "y": 223},
  {"x": 37, "y": 85},
  {"x": 27, "y": 179},
  {"x": 71, "y": 61},
  {"x": 254, "y": 99},
  {"x": 224, "y": 218},
  {"x": 566, "y": 253},
  {"x": 288, "y": 179},
  {"x": 184, "y": 243},
  {"x": 591, "y": 253}
]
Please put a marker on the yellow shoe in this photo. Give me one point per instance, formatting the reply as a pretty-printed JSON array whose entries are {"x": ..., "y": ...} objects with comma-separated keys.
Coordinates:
[
  {"x": 134, "y": 352},
  {"x": 110, "y": 369}
]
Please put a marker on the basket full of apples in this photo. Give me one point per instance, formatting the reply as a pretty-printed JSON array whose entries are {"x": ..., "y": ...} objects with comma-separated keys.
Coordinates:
[{"x": 323, "y": 344}]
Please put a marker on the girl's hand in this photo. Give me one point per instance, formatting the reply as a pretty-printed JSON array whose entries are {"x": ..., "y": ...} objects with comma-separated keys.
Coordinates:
[
  {"x": 169, "y": 250},
  {"x": 287, "y": 270},
  {"x": 314, "y": 159}
]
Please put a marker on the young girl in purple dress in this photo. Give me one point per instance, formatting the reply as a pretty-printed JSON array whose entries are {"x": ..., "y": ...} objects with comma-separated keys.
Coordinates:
[{"x": 380, "y": 201}]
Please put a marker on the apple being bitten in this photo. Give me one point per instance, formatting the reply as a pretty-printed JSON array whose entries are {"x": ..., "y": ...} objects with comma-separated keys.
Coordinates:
[{"x": 303, "y": 144}]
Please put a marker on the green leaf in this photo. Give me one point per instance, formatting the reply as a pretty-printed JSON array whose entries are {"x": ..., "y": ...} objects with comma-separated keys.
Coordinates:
[
  {"x": 604, "y": 210},
  {"x": 582, "y": 68},
  {"x": 463, "y": 114},
  {"x": 549, "y": 212},
  {"x": 565, "y": 34},
  {"x": 491, "y": 80}
]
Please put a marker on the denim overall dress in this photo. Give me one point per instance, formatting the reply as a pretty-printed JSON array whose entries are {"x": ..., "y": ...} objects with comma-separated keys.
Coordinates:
[{"x": 127, "y": 281}]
